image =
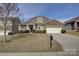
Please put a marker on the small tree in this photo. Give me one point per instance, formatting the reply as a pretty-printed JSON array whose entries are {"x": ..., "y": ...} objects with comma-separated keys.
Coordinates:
[{"x": 7, "y": 10}]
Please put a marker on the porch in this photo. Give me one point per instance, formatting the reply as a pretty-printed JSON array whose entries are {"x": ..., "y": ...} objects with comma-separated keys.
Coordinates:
[{"x": 74, "y": 25}]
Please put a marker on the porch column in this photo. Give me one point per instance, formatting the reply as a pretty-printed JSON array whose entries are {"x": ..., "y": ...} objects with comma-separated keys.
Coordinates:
[
  {"x": 34, "y": 26},
  {"x": 27, "y": 27},
  {"x": 19, "y": 27},
  {"x": 75, "y": 26}
]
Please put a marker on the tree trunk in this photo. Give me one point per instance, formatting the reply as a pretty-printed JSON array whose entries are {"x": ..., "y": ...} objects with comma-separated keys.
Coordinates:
[{"x": 5, "y": 30}]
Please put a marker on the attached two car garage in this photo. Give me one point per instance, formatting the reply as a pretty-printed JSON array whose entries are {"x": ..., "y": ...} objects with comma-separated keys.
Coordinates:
[{"x": 53, "y": 26}]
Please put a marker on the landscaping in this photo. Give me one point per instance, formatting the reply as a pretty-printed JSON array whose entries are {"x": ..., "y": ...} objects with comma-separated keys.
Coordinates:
[{"x": 63, "y": 31}]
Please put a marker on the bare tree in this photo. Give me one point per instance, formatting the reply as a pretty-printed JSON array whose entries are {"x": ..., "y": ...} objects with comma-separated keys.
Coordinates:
[
  {"x": 21, "y": 15},
  {"x": 7, "y": 10}
]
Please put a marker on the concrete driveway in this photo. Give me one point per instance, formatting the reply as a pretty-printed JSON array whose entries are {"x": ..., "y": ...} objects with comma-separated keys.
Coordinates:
[{"x": 69, "y": 43}]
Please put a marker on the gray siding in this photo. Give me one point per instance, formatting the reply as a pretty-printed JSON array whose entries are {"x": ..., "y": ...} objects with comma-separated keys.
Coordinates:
[
  {"x": 12, "y": 24},
  {"x": 67, "y": 26}
]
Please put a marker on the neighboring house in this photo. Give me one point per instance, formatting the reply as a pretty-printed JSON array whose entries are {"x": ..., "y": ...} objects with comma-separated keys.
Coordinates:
[
  {"x": 12, "y": 25},
  {"x": 41, "y": 23},
  {"x": 72, "y": 24}
]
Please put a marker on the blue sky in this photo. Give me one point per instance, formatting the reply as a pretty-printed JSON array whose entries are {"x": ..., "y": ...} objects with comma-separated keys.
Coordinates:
[{"x": 61, "y": 12}]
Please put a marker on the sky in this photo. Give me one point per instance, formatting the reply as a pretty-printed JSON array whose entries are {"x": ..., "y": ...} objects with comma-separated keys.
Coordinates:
[{"x": 59, "y": 11}]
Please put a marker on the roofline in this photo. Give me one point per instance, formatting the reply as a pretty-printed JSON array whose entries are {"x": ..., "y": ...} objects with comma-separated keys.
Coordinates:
[
  {"x": 37, "y": 16},
  {"x": 72, "y": 19},
  {"x": 52, "y": 20}
]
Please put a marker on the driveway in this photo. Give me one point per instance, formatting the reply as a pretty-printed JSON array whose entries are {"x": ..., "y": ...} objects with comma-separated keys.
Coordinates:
[{"x": 69, "y": 43}]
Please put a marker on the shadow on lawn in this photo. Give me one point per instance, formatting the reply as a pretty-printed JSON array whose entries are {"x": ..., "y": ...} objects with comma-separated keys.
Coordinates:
[{"x": 56, "y": 46}]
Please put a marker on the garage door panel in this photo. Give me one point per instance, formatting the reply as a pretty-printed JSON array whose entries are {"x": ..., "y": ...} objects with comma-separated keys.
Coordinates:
[{"x": 53, "y": 30}]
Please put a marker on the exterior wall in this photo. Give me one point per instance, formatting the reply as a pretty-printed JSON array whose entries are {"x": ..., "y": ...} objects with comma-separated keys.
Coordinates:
[
  {"x": 39, "y": 20},
  {"x": 40, "y": 28},
  {"x": 15, "y": 25},
  {"x": 37, "y": 23},
  {"x": 67, "y": 26},
  {"x": 24, "y": 27},
  {"x": 11, "y": 26},
  {"x": 34, "y": 20},
  {"x": 1, "y": 23},
  {"x": 8, "y": 27},
  {"x": 52, "y": 26}
]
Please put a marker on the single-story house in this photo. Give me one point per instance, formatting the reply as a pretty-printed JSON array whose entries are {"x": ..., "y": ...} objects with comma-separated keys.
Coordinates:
[
  {"x": 42, "y": 23},
  {"x": 72, "y": 24},
  {"x": 12, "y": 25}
]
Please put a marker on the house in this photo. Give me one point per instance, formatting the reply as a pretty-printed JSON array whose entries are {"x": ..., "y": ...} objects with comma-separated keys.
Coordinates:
[
  {"x": 35, "y": 23},
  {"x": 72, "y": 24},
  {"x": 42, "y": 23},
  {"x": 12, "y": 25}
]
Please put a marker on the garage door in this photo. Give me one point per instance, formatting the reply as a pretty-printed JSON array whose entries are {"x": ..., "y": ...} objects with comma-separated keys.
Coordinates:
[{"x": 53, "y": 30}]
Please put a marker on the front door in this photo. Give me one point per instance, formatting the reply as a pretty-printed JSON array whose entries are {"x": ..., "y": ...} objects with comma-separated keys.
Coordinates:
[{"x": 31, "y": 28}]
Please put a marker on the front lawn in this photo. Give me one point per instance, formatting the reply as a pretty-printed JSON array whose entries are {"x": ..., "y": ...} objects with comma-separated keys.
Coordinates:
[
  {"x": 29, "y": 42},
  {"x": 74, "y": 33}
]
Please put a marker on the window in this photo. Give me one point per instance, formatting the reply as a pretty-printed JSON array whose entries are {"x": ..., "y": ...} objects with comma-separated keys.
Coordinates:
[
  {"x": 23, "y": 26},
  {"x": 9, "y": 27},
  {"x": 9, "y": 23},
  {"x": 39, "y": 20},
  {"x": 38, "y": 28}
]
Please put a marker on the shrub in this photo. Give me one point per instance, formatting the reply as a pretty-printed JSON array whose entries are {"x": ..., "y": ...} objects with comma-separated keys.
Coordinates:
[
  {"x": 39, "y": 31},
  {"x": 10, "y": 33},
  {"x": 34, "y": 31},
  {"x": 26, "y": 31},
  {"x": 63, "y": 31},
  {"x": 44, "y": 31}
]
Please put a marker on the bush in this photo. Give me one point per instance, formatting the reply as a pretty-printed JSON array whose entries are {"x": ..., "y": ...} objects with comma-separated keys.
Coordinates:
[
  {"x": 39, "y": 31},
  {"x": 63, "y": 31},
  {"x": 10, "y": 33},
  {"x": 25, "y": 31},
  {"x": 44, "y": 31},
  {"x": 34, "y": 31}
]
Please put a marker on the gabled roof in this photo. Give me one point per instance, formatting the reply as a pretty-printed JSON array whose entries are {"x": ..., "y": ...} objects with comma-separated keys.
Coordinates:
[
  {"x": 54, "y": 22},
  {"x": 31, "y": 19},
  {"x": 73, "y": 19}
]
